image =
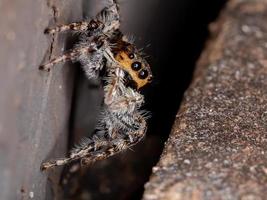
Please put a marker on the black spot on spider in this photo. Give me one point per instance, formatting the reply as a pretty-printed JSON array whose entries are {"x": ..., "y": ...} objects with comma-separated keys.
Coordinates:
[
  {"x": 131, "y": 56},
  {"x": 121, "y": 57},
  {"x": 136, "y": 66},
  {"x": 143, "y": 74},
  {"x": 129, "y": 82},
  {"x": 93, "y": 25},
  {"x": 72, "y": 26},
  {"x": 99, "y": 44},
  {"x": 150, "y": 78},
  {"x": 47, "y": 31}
]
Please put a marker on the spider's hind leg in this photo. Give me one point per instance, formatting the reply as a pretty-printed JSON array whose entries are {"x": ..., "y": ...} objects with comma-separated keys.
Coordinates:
[
  {"x": 101, "y": 147},
  {"x": 117, "y": 145},
  {"x": 85, "y": 149}
]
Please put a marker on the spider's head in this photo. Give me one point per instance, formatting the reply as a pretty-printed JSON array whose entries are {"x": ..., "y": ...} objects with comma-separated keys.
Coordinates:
[{"x": 134, "y": 64}]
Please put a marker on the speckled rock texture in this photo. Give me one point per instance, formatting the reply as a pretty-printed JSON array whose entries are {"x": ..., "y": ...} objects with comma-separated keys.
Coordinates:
[{"x": 218, "y": 146}]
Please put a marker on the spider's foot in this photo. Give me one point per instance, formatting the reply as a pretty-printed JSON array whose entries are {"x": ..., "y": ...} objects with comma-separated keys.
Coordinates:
[
  {"x": 48, "y": 165},
  {"x": 49, "y": 30},
  {"x": 45, "y": 68},
  {"x": 54, "y": 163}
]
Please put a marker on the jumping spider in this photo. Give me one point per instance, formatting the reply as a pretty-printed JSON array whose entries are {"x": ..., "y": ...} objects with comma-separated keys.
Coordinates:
[{"x": 103, "y": 47}]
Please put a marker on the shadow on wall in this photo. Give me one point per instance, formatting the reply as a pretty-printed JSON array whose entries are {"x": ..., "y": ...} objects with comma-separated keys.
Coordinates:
[{"x": 176, "y": 32}]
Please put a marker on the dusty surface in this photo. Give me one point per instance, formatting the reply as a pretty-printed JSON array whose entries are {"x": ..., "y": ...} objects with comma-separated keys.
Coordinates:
[
  {"x": 218, "y": 145},
  {"x": 34, "y": 105}
]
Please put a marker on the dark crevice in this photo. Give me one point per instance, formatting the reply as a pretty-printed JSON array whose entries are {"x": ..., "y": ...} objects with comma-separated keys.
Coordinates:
[
  {"x": 177, "y": 47},
  {"x": 55, "y": 14},
  {"x": 177, "y": 34}
]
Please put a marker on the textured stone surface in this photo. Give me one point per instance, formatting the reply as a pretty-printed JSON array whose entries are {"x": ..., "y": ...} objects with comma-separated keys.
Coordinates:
[
  {"x": 218, "y": 145},
  {"x": 34, "y": 105}
]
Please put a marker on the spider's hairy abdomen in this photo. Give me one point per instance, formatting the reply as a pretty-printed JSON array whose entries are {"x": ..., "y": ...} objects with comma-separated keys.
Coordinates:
[
  {"x": 103, "y": 47},
  {"x": 92, "y": 62}
]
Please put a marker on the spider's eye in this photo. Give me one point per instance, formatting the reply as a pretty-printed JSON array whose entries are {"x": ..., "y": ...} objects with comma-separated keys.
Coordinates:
[
  {"x": 143, "y": 74},
  {"x": 136, "y": 66},
  {"x": 131, "y": 56}
]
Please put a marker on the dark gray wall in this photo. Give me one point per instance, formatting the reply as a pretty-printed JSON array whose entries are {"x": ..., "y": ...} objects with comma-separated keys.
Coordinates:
[{"x": 34, "y": 105}]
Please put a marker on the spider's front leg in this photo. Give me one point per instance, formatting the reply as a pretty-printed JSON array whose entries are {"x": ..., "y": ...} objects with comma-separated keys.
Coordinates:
[
  {"x": 105, "y": 21},
  {"x": 71, "y": 55},
  {"x": 75, "y": 26},
  {"x": 89, "y": 52}
]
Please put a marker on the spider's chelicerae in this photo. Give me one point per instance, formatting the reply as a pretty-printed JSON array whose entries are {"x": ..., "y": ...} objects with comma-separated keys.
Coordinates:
[{"x": 104, "y": 48}]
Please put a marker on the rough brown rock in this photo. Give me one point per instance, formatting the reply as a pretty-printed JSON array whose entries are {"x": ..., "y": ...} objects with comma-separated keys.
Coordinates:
[{"x": 218, "y": 145}]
